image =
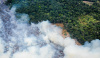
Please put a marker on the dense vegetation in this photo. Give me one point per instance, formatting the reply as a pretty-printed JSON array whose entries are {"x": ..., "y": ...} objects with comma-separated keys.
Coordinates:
[{"x": 81, "y": 20}]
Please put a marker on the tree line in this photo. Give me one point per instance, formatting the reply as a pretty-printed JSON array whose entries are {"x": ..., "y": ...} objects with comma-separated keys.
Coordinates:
[{"x": 81, "y": 20}]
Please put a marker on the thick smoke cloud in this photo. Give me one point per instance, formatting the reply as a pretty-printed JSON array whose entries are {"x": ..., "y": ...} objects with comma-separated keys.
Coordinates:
[
  {"x": 89, "y": 50},
  {"x": 42, "y": 40}
]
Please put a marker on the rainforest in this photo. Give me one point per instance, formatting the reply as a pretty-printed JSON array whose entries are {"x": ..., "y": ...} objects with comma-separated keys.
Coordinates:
[{"x": 80, "y": 19}]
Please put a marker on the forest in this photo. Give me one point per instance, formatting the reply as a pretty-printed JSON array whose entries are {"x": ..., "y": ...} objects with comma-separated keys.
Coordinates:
[{"x": 81, "y": 20}]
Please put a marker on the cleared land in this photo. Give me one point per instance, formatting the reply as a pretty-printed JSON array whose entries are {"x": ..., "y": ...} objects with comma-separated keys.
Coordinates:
[
  {"x": 65, "y": 33},
  {"x": 87, "y": 2}
]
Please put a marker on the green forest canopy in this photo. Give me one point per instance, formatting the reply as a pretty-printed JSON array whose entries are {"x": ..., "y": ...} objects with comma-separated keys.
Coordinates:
[{"x": 81, "y": 20}]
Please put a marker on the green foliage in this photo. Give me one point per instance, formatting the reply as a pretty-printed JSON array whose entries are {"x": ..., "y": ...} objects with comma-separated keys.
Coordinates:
[
  {"x": 91, "y": 0},
  {"x": 56, "y": 11},
  {"x": 85, "y": 29},
  {"x": 80, "y": 19}
]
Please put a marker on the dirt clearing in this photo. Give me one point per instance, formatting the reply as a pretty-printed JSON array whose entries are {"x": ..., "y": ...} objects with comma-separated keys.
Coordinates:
[
  {"x": 87, "y": 2},
  {"x": 65, "y": 33}
]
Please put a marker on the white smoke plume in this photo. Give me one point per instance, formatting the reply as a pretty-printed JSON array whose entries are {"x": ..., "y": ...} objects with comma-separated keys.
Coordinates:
[{"x": 18, "y": 39}]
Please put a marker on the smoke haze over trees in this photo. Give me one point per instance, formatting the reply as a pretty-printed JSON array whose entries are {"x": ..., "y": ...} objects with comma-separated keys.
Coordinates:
[
  {"x": 19, "y": 39},
  {"x": 81, "y": 20}
]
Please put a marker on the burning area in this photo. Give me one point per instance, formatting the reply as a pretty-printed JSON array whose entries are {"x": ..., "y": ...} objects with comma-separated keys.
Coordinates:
[{"x": 18, "y": 39}]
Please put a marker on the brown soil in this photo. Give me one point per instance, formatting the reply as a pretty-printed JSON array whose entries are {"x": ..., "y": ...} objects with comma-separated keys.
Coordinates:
[
  {"x": 77, "y": 42},
  {"x": 65, "y": 33}
]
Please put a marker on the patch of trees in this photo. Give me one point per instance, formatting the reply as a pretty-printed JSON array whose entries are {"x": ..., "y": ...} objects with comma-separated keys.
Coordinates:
[
  {"x": 86, "y": 28},
  {"x": 81, "y": 20}
]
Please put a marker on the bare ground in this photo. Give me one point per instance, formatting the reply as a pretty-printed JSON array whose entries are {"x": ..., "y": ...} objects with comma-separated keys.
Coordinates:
[
  {"x": 87, "y": 2},
  {"x": 65, "y": 33}
]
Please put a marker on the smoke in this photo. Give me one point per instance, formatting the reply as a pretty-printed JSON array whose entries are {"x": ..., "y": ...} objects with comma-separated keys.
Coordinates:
[
  {"x": 18, "y": 39},
  {"x": 2, "y": 1},
  {"x": 89, "y": 50}
]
